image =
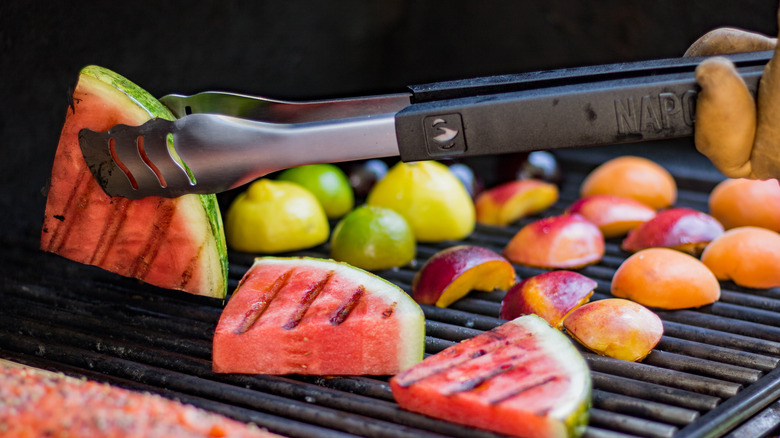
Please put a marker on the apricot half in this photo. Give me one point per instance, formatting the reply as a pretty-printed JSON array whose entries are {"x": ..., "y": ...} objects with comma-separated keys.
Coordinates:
[
  {"x": 614, "y": 215},
  {"x": 508, "y": 202},
  {"x": 557, "y": 242},
  {"x": 616, "y": 328},
  {"x": 746, "y": 202},
  {"x": 551, "y": 295},
  {"x": 665, "y": 278},
  {"x": 683, "y": 229},
  {"x": 748, "y": 256},
  {"x": 633, "y": 177},
  {"x": 451, "y": 273}
]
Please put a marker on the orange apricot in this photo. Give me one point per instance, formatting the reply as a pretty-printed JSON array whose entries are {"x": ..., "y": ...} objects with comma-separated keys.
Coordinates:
[
  {"x": 633, "y": 177},
  {"x": 665, "y": 278},
  {"x": 748, "y": 256},
  {"x": 746, "y": 202}
]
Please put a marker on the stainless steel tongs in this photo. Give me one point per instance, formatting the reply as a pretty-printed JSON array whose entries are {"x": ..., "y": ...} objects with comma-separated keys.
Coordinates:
[{"x": 222, "y": 140}]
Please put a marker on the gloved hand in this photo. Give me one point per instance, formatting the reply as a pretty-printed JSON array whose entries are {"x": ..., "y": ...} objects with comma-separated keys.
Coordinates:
[{"x": 740, "y": 137}]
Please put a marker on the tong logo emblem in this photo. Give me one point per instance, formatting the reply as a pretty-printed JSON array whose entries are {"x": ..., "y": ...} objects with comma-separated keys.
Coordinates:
[{"x": 443, "y": 134}]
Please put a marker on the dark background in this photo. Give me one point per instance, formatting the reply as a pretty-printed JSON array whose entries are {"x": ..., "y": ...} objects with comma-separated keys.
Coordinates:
[{"x": 305, "y": 50}]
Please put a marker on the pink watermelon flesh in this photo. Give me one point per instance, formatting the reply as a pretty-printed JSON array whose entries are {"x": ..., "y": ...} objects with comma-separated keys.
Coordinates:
[
  {"x": 310, "y": 316},
  {"x": 171, "y": 243},
  {"x": 523, "y": 378}
]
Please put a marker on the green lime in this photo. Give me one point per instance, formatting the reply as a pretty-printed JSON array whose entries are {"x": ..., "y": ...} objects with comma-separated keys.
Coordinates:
[
  {"x": 373, "y": 238},
  {"x": 275, "y": 216},
  {"x": 328, "y": 183}
]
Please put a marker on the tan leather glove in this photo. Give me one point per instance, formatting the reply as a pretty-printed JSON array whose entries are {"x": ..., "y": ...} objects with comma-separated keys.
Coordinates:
[{"x": 740, "y": 137}]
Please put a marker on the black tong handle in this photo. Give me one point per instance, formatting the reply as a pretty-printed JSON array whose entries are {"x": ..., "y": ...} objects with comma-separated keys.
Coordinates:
[{"x": 586, "y": 106}]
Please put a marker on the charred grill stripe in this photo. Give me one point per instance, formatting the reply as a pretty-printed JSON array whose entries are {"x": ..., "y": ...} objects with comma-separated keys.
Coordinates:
[
  {"x": 306, "y": 302},
  {"x": 522, "y": 389},
  {"x": 472, "y": 383},
  {"x": 189, "y": 271},
  {"x": 70, "y": 212},
  {"x": 256, "y": 311},
  {"x": 110, "y": 230},
  {"x": 387, "y": 313},
  {"x": 417, "y": 374},
  {"x": 346, "y": 308},
  {"x": 162, "y": 223}
]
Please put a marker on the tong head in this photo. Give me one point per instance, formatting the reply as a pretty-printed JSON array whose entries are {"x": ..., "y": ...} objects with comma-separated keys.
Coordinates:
[{"x": 137, "y": 161}]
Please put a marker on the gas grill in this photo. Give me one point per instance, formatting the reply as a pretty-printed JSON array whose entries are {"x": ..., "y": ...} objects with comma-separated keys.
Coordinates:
[{"x": 714, "y": 372}]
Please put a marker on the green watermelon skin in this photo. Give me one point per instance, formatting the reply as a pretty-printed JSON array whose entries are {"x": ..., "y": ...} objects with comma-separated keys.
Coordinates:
[
  {"x": 317, "y": 317},
  {"x": 523, "y": 378},
  {"x": 172, "y": 243}
]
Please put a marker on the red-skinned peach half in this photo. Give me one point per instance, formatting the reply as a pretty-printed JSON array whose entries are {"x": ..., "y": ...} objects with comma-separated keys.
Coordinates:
[
  {"x": 551, "y": 295},
  {"x": 566, "y": 241},
  {"x": 451, "y": 273},
  {"x": 748, "y": 256},
  {"x": 508, "y": 202},
  {"x": 665, "y": 278},
  {"x": 683, "y": 229},
  {"x": 614, "y": 215},
  {"x": 746, "y": 202},
  {"x": 615, "y": 327}
]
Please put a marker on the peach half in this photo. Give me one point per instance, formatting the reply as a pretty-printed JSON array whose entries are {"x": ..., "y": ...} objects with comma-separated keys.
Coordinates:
[
  {"x": 614, "y": 215},
  {"x": 683, "y": 229},
  {"x": 615, "y": 327},
  {"x": 748, "y": 256},
  {"x": 665, "y": 278},
  {"x": 551, "y": 295},
  {"x": 566, "y": 241},
  {"x": 508, "y": 202},
  {"x": 451, "y": 273},
  {"x": 633, "y": 177},
  {"x": 746, "y": 202}
]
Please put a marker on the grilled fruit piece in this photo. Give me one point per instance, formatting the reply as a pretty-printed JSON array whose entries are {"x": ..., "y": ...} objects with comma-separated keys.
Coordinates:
[
  {"x": 616, "y": 328},
  {"x": 172, "y": 243},
  {"x": 748, "y": 256},
  {"x": 36, "y": 403},
  {"x": 746, "y": 202},
  {"x": 523, "y": 378},
  {"x": 679, "y": 228},
  {"x": 632, "y": 177},
  {"x": 568, "y": 241},
  {"x": 614, "y": 215},
  {"x": 320, "y": 317},
  {"x": 551, "y": 295},
  {"x": 453, "y": 272},
  {"x": 511, "y": 201}
]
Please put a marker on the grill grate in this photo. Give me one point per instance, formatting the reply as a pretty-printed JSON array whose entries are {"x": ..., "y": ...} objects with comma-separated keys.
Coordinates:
[{"x": 714, "y": 368}]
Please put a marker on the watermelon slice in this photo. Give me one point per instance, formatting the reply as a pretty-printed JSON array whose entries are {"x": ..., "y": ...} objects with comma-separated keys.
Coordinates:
[
  {"x": 172, "y": 243},
  {"x": 37, "y": 403},
  {"x": 315, "y": 316},
  {"x": 523, "y": 378}
]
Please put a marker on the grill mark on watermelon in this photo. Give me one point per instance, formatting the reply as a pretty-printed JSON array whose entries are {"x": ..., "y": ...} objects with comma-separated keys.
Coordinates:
[
  {"x": 111, "y": 229},
  {"x": 62, "y": 228},
  {"x": 162, "y": 223},
  {"x": 452, "y": 358},
  {"x": 474, "y": 382},
  {"x": 348, "y": 306},
  {"x": 517, "y": 391},
  {"x": 258, "y": 308},
  {"x": 387, "y": 313},
  {"x": 306, "y": 302}
]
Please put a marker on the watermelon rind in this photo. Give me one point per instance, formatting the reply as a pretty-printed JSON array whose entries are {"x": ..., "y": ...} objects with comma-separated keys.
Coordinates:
[{"x": 115, "y": 99}]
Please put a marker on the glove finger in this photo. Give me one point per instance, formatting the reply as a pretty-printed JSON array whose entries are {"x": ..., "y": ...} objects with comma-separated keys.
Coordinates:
[
  {"x": 726, "y": 40},
  {"x": 725, "y": 123}
]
